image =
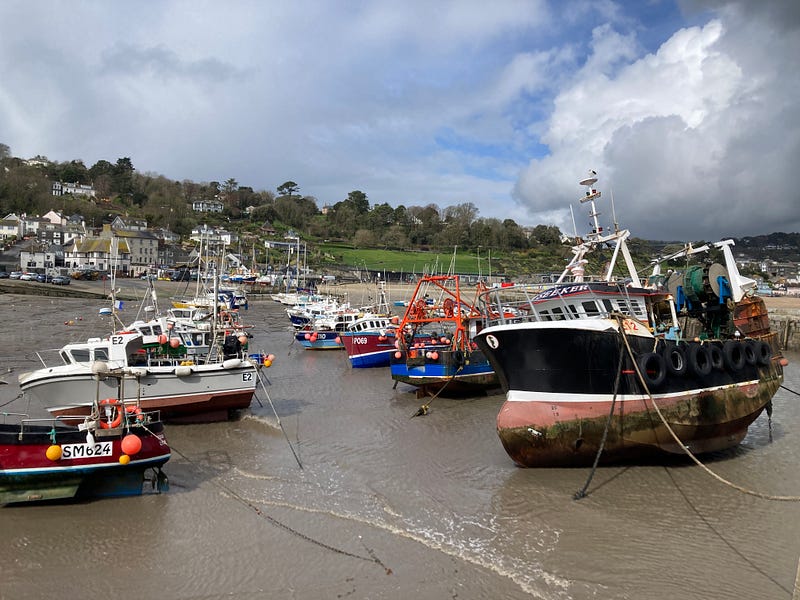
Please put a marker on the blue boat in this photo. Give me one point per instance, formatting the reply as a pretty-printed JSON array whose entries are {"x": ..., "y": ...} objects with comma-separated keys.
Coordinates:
[
  {"x": 435, "y": 352},
  {"x": 314, "y": 339}
]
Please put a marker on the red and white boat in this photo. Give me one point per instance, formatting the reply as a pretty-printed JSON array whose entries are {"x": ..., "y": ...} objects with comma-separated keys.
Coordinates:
[{"x": 109, "y": 453}]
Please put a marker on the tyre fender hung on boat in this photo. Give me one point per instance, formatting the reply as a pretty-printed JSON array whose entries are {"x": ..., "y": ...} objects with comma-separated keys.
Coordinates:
[
  {"x": 699, "y": 360},
  {"x": 717, "y": 358},
  {"x": 653, "y": 368},
  {"x": 733, "y": 355},
  {"x": 749, "y": 351},
  {"x": 764, "y": 353},
  {"x": 458, "y": 358},
  {"x": 112, "y": 423},
  {"x": 674, "y": 359}
]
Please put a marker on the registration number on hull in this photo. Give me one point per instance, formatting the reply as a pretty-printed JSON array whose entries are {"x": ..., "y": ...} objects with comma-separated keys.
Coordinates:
[{"x": 86, "y": 450}]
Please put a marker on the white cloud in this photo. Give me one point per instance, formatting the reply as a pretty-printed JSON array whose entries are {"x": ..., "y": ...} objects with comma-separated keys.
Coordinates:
[
  {"x": 420, "y": 102},
  {"x": 697, "y": 140}
]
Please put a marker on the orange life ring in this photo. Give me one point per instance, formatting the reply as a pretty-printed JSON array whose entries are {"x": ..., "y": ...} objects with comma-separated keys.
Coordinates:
[
  {"x": 111, "y": 424},
  {"x": 135, "y": 412}
]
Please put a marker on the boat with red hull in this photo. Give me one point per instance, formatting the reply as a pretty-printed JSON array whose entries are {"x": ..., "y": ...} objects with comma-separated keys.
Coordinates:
[
  {"x": 370, "y": 341},
  {"x": 108, "y": 454},
  {"x": 626, "y": 369}
]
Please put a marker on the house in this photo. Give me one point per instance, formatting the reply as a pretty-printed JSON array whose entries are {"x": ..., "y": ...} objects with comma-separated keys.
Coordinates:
[
  {"x": 142, "y": 246},
  {"x": 54, "y": 217},
  {"x": 42, "y": 261},
  {"x": 8, "y": 229},
  {"x": 212, "y": 235},
  {"x": 129, "y": 224},
  {"x": 214, "y": 206},
  {"x": 100, "y": 253},
  {"x": 76, "y": 189}
]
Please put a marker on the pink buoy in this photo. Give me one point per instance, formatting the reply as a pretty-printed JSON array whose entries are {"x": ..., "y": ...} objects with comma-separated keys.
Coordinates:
[
  {"x": 270, "y": 357},
  {"x": 435, "y": 355},
  {"x": 307, "y": 336},
  {"x": 243, "y": 339},
  {"x": 398, "y": 354},
  {"x": 338, "y": 340},
  {"x": 174, "y": 343},
  {"x": 162, "y": 339}
]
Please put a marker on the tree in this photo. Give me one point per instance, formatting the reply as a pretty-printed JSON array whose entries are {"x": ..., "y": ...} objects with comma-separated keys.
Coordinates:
[
  {"x": 359, "y": 201},
  {"x": 288, "y": 188}
]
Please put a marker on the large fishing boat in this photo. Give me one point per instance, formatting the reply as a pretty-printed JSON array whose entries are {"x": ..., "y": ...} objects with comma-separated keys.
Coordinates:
[
  {"x": 108, "y": 453},
  {"x": 629, "y": 369},
  {"x": 434, "y": 347}
]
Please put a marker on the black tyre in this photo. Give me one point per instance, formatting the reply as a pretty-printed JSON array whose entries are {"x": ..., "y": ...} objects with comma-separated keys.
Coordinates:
[
  {"x": 699, "y": 360},
  {"x": 733, "y": 353},
  {"x": 674, "y": 360},
  {"x": 652, "y": 367}
]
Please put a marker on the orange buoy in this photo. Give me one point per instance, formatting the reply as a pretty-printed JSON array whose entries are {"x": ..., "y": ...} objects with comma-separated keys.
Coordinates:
[
  {"x": 131, "y": 444},
  {"x": 124, "y": 459},
  {"x": 53, "y": 452}
]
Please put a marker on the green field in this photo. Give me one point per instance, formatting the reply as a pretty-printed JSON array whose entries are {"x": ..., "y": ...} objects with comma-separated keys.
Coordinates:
[{"x": 412, "y": 262}]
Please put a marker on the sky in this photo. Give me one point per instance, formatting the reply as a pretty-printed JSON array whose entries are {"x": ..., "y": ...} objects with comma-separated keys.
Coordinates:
[{"x": 688, "y": 110}]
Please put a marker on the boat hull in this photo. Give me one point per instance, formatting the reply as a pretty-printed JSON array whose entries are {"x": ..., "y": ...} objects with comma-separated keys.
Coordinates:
[
  {"x": 27, "y": 474},
  {"x": 321, "y": 340},
  {"x": 451, "y": 373},
  {"x": 560, "y": 384},
  {"x": 201, "y": 393},
  {"x": 368, "y": 349}
]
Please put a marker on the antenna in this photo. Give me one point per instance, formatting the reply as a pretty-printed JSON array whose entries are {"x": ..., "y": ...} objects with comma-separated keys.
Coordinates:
[
  {"x": 613, "y": 212},
  {"x": 574, "y": 228}
]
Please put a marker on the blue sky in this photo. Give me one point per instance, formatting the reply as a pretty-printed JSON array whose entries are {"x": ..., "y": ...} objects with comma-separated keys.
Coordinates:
[{"x": 688, "y": 110}]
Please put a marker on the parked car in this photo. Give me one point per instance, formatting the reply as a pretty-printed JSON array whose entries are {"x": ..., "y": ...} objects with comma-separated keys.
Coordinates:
[
  {"x": 60, "y": 280},
  {"x": 15, "y": 275},
  {"x": 28, "y": 276},
  {"x": 180, "y": 275},
  {"x": 44, "y": 278},
  {"x": 4, "y": 274}
]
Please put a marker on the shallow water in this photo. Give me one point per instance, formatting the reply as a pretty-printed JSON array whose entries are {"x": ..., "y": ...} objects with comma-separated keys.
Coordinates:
[{"x": 389, "y": 506}]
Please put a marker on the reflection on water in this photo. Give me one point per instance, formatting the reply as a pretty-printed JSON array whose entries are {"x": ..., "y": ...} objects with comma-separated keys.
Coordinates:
[{"x": 390, "y": 506}]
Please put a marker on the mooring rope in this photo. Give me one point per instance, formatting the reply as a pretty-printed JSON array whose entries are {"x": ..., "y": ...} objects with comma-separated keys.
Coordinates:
[
  {"x": 581, "y": 493},
  {"x": 372, "y": 558},
  {"x": 688, "y": 452},
  {"x": 423, "y": 410}
]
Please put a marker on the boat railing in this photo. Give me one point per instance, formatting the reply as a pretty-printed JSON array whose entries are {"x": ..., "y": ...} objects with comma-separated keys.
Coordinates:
[{"x": 521, "y": 303}]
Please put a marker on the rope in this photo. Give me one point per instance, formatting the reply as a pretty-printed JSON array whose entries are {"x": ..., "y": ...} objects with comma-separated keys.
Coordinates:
[
  {"x": 423, "y": 410},
  {"x": 688, "y": 452},
  {"x": 581, "y": 493},
  {"x": 275, "y": 412},
  {"x": 239, "y": 498}
]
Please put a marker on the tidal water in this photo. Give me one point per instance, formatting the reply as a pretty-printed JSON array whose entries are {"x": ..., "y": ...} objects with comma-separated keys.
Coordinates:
[{"x": 390, "y": 506}]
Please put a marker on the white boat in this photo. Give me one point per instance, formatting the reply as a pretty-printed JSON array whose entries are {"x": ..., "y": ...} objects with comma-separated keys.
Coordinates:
[{"x": 183, "y": 389}]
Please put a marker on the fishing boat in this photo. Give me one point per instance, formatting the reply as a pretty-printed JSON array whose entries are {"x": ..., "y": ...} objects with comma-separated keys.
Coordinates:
[
  {"x": 621, "y": 369},
  {"x": 109, "y": 453},
  {"x": 370, "y": 341},
  {"x": 183, "y": 388},
  {"x": 434, "y": 348}
]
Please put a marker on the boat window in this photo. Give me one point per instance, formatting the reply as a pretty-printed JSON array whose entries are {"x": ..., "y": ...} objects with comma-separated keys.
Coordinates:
[
  {"x": 590, "y": 308},
  {"x": 101, "y": 354},
  {"x": 574, "y": 310},
  {"x": 146, "y": 331},
  {"x": 157, "y": 330},
  {"x": 609, "y": 307},
  {"x": 65, "y": 357},
  {"x": 80, "y": 355},
  {"x": 558, "y": 313},
  {"x": 198, "y": 339},
  {"x": 545, "y": 314}
]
